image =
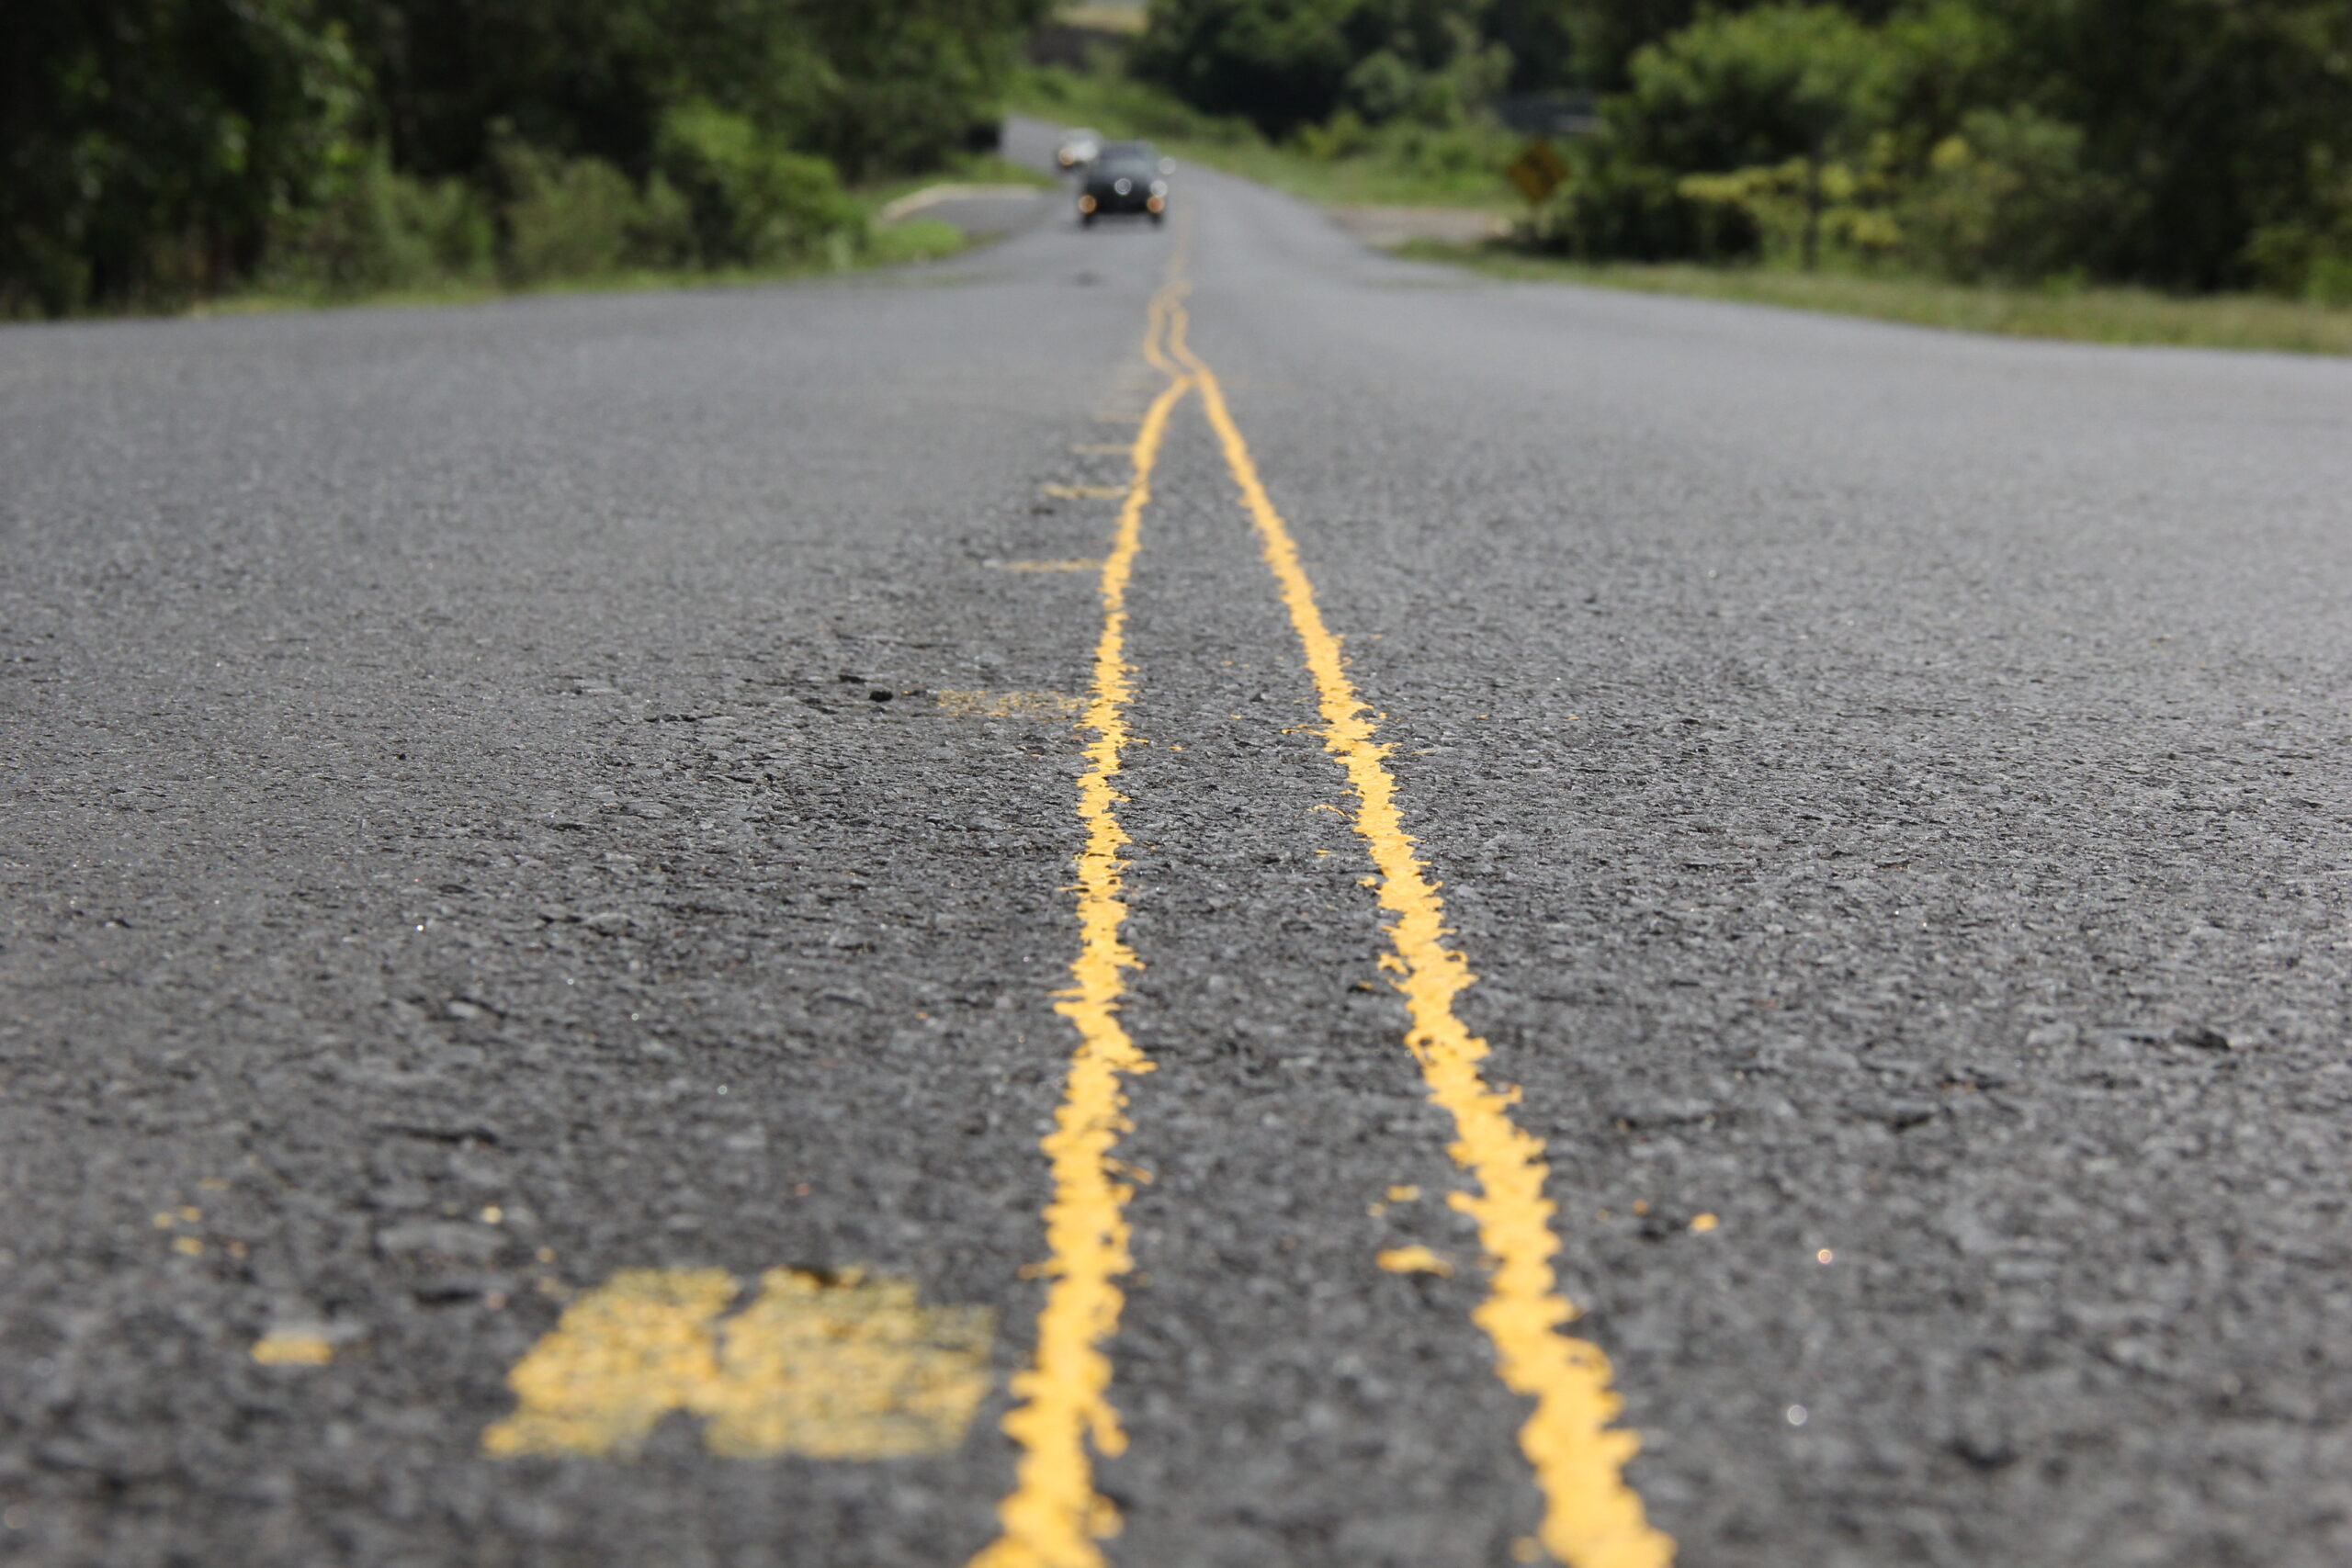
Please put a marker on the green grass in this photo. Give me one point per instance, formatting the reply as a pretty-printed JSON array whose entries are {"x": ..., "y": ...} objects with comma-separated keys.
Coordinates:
[
  {"x": 2077, "y": 314},
  {"x": 1396, "y": 166},
  {"x": 908, "y": 241},
  {"x": 914, "y": 239},
  {"x": 971, "y": 169},
  {"x": 891, "y": 244}
]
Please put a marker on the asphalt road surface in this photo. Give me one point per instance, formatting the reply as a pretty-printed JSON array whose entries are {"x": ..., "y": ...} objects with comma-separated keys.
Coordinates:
[{"x": 570, "y": 866}]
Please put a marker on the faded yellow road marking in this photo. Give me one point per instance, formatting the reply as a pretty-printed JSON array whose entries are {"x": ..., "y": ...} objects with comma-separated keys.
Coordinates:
[
  {"x": 1009, "y": 704},
  {"x": 1413, "y": 1261},
  {"x": 1094, "y": 564},
  {"x": 1053, "y": 1517},
  {"x": 1086, "y": 493},
  {"x": 293, "y": 1348},
  {"x": 830, "y": 1368},
  {"x": 1592, "y": 1517}
]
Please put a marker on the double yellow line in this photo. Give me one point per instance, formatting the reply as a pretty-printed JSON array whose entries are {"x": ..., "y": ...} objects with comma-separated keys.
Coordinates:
[{"x": 1054, "y": 1516}]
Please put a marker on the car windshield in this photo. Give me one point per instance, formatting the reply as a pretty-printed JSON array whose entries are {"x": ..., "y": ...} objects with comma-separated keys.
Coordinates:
[{"x": 1129, "y": 164}]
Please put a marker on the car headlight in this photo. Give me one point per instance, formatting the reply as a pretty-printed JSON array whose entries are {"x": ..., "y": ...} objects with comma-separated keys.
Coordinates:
[{"x": 1160, "y": 187}]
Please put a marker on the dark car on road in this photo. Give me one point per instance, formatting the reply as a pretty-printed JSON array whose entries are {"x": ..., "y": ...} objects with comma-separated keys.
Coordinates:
[{"x": 1126, "y": 176}]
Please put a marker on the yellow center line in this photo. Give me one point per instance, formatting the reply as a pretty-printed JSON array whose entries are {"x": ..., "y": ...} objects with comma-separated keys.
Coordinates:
[
  {"x": 1592, "y": 1517},
  {"x": 1053, "y": 1517}
]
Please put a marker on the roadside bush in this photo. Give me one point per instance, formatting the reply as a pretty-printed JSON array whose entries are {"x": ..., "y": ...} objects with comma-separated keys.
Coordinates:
[
  {"x": 373, "y": 228},
  {"x": 562, "y": 217},
  {"x": 2304, "y": 262},
  {"x": 1106, "y": 95},
  {"x": 2005, "y": 198},
  {"x": 1462, "y": 153},
  {"x": 1465, "y": 154},
  {"x": 2310, "y": 255},
  {"x": 1760, "y": 90},
  {"x": 1791, "y": 205},
  {"x": 1282, "y": 64},
  {"x": 1344, "y": 135},
  {"x": 748, "y": 201},
  {"x": 1754, "y": 89},
  {"x": 150, "y": 148},
  {"x": 1380, "y": 87},
  {"x": 1287, "y": 64},
  {"x": 1614, "y": 209}
]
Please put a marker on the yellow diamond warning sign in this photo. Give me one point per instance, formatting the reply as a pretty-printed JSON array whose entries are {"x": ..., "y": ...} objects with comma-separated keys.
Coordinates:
[{"x": 1538, "y": 171}]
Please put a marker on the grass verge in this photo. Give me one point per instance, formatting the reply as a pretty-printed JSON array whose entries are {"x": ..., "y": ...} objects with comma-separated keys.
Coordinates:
[
  {"x": 892, "y": 245},
  {"x": 897, "y": 244},
  {"x": 2076, "y": 314}
]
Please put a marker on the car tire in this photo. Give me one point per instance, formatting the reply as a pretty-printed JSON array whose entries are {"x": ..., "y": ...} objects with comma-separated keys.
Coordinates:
[
  {"x": 1158, "y": 218},
  {"x": 1086, "y": 221}
]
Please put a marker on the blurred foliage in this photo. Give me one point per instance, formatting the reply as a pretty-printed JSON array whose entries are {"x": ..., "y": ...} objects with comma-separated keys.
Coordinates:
[
  {"x": 1343, "y": 159},
  {"x": 2187, "y": 144},
  {"x": 162, "y": 150},
  {"x": 153, "y": 147},
  {"x": 370, "y": 229},
  {"x": 1286, "y": 63},
  {"x": 157, "y": 150},
  {"x": 750, "y": 201}
]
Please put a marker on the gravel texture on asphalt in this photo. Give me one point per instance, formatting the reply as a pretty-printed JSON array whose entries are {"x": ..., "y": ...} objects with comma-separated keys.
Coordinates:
[{"x": 494, "y": 799}]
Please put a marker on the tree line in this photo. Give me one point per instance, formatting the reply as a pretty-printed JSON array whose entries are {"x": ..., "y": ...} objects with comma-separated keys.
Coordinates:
[
  {"x": 2186, "y": 144},
  {"x": 160, "y": 150}
]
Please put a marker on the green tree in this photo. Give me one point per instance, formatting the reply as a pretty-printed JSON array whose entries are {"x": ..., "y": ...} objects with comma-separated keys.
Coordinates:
[
  {"x": 2220, "y": 117},
  {"x": 151, "y": 146},
  {"x": 1605, "y": 35},
  {"x": 1281, "y": 64},
  {"x": 872, "y": 84},
  {"x": 1288, "y": 64},
  {"x": 1755, "y": 89}
]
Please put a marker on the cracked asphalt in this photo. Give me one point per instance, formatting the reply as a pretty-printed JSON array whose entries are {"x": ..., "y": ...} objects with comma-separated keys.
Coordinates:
[{"x": 499, "y": 796}]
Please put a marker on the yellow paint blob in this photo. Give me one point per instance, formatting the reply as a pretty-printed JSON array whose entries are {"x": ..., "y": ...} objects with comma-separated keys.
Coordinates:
[
  {"x": 1592, "y": 1517},
  {"x": 1403, "y": 1194},
  {"x": 1414, "y": 1260},
  {"x": 293, "y": 1348},
  {"x": 837, "y": 1367},
  {"x": 1086, "y": 493},
  {"x": 849, "y": 1370},
  {"x": 1009, "y": 704},
  {"x": 1053, "y": 1517},
  {"x": 1702, "y": 1224}
]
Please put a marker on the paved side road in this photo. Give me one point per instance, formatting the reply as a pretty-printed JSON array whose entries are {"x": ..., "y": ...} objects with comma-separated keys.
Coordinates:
[{"x": 546, "y": 845}]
